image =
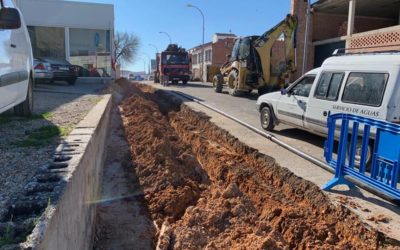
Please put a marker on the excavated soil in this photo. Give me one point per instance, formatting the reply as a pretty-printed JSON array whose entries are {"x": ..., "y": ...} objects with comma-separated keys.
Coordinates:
[{"x": 204, "y": 189}]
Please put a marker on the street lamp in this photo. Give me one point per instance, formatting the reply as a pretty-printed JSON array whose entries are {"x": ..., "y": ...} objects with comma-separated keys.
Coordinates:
[
  {"x": 149, "y": 60},
  {"x": 152, "y": 45},
  {"x": 169, "y": 37},
  {"x": 202, "y": 45}
]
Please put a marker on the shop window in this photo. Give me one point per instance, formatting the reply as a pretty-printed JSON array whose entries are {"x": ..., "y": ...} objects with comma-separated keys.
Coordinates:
[
  {"x": 90, "y": 49},
  {"x": 47, "y": 42}
]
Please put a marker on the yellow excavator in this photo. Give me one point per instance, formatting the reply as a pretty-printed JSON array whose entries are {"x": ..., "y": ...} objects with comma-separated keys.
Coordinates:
[{"x": 249, "y": 65}]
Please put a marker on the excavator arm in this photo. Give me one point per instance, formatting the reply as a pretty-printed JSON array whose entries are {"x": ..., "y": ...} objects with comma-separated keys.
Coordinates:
[{"x": 264, "y": 43}]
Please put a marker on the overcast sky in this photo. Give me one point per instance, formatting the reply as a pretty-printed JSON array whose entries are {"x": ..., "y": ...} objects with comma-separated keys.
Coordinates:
[{"x": 146, "y": 18}]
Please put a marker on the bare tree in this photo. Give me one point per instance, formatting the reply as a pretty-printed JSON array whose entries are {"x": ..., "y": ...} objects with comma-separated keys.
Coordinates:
[{"x": 126, "y": 47}]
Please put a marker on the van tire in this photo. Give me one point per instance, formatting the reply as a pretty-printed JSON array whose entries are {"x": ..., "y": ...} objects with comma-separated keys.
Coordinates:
[
  {"x": 369, "y": 156},
  {"x": 26, "y": 107},
  {"x": 266, "y": 119}
]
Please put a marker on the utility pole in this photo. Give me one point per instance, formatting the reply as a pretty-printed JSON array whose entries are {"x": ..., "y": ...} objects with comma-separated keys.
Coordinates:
[{"x": 306, "y": 34}]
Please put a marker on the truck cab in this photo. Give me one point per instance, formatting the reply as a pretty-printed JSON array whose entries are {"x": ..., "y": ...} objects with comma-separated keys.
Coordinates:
[{"x": 173, "y": 65}]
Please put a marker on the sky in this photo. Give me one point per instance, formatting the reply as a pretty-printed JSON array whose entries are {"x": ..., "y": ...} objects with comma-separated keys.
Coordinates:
[{"x": 146, "y": 18}]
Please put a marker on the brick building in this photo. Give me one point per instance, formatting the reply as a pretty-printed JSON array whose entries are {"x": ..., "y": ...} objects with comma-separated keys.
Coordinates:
[
  {"x": 215, "y": 54},
  {"x": 357, "y": 25}
]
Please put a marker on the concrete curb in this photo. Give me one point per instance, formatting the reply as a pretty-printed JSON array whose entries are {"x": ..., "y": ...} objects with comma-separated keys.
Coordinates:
[{"x": 68, "y": 223}]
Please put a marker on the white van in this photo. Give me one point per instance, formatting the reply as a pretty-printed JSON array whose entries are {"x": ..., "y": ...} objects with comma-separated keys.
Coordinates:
[
  {"x": 15, "y": 61},
  {"x": 362, "y": 84}
]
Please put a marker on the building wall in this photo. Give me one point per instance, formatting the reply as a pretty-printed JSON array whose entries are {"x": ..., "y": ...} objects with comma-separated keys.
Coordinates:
[
  {"x": 221, "y": 50},
  {"x": 326, "y": 26},
  {"x": 67, "y": 14},
  {"x": 298, "y": 8},
  {"x": 196, "y": 55},
  {"x": 81, "y": 33}
]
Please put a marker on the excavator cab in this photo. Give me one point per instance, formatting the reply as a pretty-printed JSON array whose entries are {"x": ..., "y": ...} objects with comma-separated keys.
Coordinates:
[{"x": 252, "y": 64}]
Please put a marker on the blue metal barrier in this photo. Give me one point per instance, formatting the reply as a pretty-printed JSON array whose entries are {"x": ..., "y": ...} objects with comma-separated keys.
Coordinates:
[{"x": 355, "y": 133}]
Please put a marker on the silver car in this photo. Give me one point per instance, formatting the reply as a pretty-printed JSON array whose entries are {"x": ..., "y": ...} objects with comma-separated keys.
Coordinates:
[{"x": 42, "y": 71}]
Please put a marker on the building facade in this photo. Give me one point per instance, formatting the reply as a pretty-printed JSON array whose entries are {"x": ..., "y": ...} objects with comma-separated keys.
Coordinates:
[
  {"x": 215, "y": 55},
  {"x": 81, "y": 33},
  {"x": 354, "y": 25}
]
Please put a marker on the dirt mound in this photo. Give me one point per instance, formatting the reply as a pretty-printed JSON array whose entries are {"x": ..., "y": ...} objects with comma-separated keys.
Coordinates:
[{"x": 205, "y": 189}]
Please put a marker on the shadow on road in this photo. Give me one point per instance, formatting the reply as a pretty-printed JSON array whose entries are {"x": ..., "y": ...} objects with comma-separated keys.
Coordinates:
[
  {"x": 356, "y": 192},
  {"x": 302, "y": 135}
]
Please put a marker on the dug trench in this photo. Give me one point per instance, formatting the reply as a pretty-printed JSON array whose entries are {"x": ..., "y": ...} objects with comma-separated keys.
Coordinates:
[{"x": 204, "y": 189}]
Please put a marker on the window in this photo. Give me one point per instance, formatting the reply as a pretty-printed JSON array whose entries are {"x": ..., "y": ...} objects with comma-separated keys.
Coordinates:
[
  {"x": 47, "y": 42},
  {"x": 208, "y": 55},
  {"x": 303, "y": 87},
  {"x": 235, "y": 51},
  {"x": 172, "y": 59},
  {"x": 244, "y": 49},
  {"x": 91, "y": 50},
  {"x": 194, "y": 59},
  {"x": 365, "y": 88},
  {"x": 329, "y": 86}
]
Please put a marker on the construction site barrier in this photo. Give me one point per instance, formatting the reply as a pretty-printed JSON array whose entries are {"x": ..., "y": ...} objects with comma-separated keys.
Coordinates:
[{"x": 364, "y": 138}]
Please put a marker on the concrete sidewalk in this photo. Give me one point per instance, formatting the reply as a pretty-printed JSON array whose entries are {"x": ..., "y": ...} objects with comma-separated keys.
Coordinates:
[{"x": 373, "y": 210}]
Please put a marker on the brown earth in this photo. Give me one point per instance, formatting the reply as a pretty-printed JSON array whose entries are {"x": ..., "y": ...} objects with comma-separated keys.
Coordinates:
[{"x": 206, "y": 190}]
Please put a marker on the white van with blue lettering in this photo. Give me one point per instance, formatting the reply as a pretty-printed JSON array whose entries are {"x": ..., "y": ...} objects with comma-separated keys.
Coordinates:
[
  {"x": 361, "y": 84},
  {"x": 15, "y": 61}
]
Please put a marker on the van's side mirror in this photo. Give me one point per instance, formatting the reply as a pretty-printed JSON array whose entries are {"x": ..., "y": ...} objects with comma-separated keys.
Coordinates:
[
  {"x": 9, "y": 19},
  {"x": 284, "y": 91}
]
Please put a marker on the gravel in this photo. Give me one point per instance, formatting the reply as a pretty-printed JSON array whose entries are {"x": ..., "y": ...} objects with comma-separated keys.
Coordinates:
[{"x": 19, "y": 161}]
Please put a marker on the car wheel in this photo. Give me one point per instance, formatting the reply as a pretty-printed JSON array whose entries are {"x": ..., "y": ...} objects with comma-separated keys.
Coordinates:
[
  {"x": 185, "y": 82},
  {"x": 218, "y": 82},
  {"x": 71, "y": 81},
  {"x": 26, "y": 107},
  {"x": 267, "y": 121}
]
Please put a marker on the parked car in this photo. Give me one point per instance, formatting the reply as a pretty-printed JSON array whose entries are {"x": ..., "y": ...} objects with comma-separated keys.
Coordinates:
[
  {"x": 62, "y": 70},
  {"x": 42, "y": 71},
  {"x": 16, "y": 69},
  {"x": 364, "y": 84}
]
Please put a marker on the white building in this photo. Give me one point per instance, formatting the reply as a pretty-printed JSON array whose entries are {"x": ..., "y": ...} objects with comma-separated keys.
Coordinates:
[{"x": 81, "y": 33}]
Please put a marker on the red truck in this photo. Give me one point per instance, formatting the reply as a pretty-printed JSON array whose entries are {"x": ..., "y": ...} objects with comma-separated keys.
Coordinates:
[{"x": 173, "y": 65}]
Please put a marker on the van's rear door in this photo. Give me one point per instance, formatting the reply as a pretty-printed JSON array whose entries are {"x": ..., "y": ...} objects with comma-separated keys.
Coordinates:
[{"x": 359, "y": 93}]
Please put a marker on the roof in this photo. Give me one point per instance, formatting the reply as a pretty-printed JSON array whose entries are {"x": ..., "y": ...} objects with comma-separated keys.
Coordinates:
[
  {"x": 373, "y": 8},
  {"x": 379, "y": 59},
  {"x": 199, "y": 46},
  {"x": 225, "y": 34}
]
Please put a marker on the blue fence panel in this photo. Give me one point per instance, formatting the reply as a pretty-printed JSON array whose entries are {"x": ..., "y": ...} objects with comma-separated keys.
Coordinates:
[{"x": 376, "y": 146}]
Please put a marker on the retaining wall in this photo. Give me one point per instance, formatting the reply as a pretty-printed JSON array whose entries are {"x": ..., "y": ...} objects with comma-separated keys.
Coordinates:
[{"x": 69, "y": 223}]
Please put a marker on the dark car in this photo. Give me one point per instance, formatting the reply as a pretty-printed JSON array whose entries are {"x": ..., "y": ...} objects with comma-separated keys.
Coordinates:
[{"x": 62, "y": 70}]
